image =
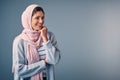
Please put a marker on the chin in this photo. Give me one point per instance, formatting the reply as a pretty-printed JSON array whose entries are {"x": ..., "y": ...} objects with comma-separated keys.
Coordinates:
[{"x": 38, "y": 29}]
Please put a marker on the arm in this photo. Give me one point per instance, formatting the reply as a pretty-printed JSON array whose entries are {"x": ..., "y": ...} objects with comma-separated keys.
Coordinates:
[
  {"x": 20, "y": 66},
  {"x": 51, "y": 49}
]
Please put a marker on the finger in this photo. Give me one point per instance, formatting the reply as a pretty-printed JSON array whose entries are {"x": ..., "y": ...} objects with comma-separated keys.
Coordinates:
[{"x": 44, "y": 27}]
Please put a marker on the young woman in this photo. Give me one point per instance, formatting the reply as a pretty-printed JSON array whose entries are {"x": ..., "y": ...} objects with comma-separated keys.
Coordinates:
[{"x": 35, "y": 50}]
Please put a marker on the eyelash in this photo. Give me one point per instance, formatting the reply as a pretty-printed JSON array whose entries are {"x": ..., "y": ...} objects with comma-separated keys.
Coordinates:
[{"x": 39, "y": 17}]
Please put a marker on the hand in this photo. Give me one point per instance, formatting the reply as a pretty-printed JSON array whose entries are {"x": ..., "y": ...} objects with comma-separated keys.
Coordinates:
[
  {"x": 45, "y": 60},
  {"x": 44, "y": 34}
]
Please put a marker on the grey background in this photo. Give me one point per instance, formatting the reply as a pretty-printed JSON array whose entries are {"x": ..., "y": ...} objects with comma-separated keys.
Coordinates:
[{"x": 87, "y": 31}]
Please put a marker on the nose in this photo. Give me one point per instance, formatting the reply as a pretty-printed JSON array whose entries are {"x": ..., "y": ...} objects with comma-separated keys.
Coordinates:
[{"x": 40, "y": 20}]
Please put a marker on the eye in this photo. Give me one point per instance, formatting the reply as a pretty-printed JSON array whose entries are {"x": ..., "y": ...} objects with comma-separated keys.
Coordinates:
[
  {"x": 43, "y": 17},
  {"x": 37, "y": 17}
]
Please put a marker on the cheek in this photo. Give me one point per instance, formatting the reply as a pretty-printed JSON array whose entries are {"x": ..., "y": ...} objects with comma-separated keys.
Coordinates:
[
  {"x": 34, "y": 23},
  {"x": 43, "y": 21}
]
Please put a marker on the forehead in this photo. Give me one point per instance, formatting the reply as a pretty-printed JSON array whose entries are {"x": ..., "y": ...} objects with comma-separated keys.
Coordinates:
[{"x": 38, "y": 13}]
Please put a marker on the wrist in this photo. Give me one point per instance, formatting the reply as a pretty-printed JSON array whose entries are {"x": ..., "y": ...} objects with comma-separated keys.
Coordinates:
[
  {"x": 45, "y": 60},
  {"x": 45, "y": 39}
]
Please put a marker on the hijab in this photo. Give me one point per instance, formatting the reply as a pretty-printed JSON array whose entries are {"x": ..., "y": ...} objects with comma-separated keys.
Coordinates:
[{"x": 32, "y": 38}]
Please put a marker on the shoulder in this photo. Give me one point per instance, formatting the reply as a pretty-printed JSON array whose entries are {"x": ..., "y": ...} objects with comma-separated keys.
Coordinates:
[
  {"x": 18, "y": 40},
  {"x": 50, "y": 35}
]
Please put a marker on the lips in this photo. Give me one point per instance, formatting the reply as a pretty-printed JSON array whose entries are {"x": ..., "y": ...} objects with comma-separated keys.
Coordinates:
[{"x": 39, "y": 24}]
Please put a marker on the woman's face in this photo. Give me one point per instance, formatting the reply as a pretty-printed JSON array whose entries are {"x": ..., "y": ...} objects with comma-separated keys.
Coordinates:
[{"x": 37, "y": 20}]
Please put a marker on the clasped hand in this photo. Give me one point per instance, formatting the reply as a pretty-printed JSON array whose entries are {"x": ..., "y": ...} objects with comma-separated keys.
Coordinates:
[{"x": 44, "y": 34}]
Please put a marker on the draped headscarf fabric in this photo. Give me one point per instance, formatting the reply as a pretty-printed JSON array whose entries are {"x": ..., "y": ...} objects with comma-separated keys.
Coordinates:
[{"x": 32, "y": 38}]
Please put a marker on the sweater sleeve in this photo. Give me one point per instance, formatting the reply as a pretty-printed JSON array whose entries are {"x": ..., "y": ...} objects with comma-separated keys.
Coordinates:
[
  {"x": 20, "y": 66},
  {"x": 52, "y": 51}
]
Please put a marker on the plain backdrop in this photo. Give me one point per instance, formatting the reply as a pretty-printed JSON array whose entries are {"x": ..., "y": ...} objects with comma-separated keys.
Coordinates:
[{"x": 87, "y": 31}]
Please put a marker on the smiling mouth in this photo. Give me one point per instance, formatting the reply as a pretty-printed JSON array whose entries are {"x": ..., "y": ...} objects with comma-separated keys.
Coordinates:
[{"x": 39, "y": 25}]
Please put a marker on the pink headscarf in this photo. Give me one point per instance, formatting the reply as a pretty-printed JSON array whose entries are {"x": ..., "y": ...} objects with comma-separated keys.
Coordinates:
[{"x": 32, "y": 38}]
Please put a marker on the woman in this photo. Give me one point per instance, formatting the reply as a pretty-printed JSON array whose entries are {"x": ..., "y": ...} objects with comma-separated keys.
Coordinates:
[{"x": 35, "y": 50}]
